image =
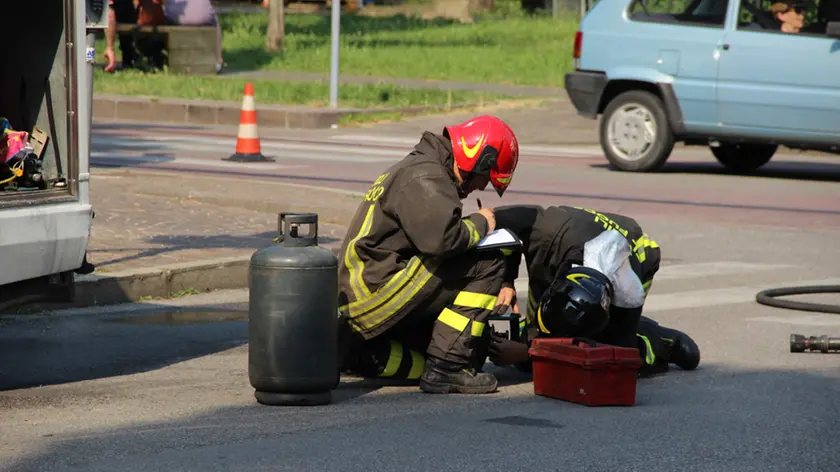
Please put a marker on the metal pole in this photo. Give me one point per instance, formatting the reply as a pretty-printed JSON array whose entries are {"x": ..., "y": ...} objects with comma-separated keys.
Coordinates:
[
  {"x": 336, "y": 24},
  {"x": 554, "y": 11},
  {"x": 90, "y": 43}
]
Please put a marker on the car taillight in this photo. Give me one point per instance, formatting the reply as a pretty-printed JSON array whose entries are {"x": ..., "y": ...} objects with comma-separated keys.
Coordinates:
[
  {"x": 576, "y": 52},
  {"x": 578, "y": 41}
]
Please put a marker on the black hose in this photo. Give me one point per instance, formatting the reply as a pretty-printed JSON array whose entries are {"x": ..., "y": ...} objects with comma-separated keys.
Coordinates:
[{"x": 767, "y": 297}]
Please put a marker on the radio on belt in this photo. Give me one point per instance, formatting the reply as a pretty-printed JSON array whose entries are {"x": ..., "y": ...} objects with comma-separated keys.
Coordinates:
[{"x": 585, "y": 372}]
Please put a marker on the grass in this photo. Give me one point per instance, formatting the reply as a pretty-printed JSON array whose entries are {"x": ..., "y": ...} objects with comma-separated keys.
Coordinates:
[
  {"x": 502, "y": 47},
  {"x": 515, "y": 49},
  {"x": 266, "y": 92}
]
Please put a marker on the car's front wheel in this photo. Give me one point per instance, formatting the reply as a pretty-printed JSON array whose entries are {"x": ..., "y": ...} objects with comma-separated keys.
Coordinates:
[
  {"x": 635, "y": 134},
  {"x": 742, "y": 157}
]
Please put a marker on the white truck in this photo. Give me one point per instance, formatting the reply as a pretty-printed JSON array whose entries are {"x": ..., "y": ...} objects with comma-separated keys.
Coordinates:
[{"x": 45, "y": 91}]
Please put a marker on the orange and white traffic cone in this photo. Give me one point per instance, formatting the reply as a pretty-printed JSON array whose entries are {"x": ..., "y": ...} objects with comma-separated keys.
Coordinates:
[{"x": 248, "y": 139}]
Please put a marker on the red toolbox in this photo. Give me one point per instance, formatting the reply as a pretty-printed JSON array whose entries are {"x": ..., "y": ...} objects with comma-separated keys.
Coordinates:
[{"x": 585, "y": 372}]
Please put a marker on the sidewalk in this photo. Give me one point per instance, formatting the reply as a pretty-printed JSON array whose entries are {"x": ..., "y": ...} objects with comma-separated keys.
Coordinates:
[
  {"x": 210, "y": 112},
  {"x": 159, "y": 235},
  {"x": 515, "y": 90}
]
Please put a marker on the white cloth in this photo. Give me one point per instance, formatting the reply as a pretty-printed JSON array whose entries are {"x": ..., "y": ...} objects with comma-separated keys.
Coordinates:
[{"x": 609, "y": 253}]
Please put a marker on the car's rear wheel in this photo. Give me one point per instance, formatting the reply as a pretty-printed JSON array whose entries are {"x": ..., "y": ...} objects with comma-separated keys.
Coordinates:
[
  {"x": 742, "y": 157},
  {"x": 635, "y": 133}
]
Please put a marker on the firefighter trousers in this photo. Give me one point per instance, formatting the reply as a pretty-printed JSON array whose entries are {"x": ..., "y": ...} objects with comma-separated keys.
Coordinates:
[
  {"x": 445, "y": 319},
  {"x": 628, "y": 328}
]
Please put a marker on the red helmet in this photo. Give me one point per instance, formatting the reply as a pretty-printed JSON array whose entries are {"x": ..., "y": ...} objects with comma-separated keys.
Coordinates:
[{"x": 485, "y": 145}]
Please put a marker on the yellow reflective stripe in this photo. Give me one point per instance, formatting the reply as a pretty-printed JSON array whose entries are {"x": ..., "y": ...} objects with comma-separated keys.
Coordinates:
[
  {"x": 574, "y": 277},
  {"x": 477, "y": 328},
  {"x": 532, "y": 306},
  {"x": 540, "y": 321},
  {"x": 352, "y": 260},
  {"x": 644, "y": 241},
  {"x": 475, "y": 300},
  {"x": 392, "y": 296},
  {"x": 395, "y": 284},
  {"x": 640, "y": 244},
  {"x": 394, "y": 360},
  {"x": 377, "y": 316},
  {"x": 453, "y": 319},
  {"x": 417, "y": 364},
  {"x": 646, "y": 286},
  {"x": 650, "y": 357},
  {"x": 475, "y": 237},
  {"x": 506, "y": 252}
]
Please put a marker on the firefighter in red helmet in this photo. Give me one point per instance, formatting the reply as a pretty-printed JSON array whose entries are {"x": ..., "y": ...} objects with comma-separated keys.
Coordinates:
[{"x": 413, "y": 295}]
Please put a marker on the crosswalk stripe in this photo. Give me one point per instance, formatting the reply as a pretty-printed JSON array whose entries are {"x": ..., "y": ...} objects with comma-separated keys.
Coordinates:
[
  {"x": 333, "y": 149},
  {"x": 695, "y": 270},
  {"x": 292, "y": 155},
  {"x": 827, "y": 319},
  {"x": 105, "y": 157},
  {"x": 215, "y": 146},
  {"x": 720, "y": 296},
  {"x": 681, "y": 300},
  {"x": 706, "y": 269}
]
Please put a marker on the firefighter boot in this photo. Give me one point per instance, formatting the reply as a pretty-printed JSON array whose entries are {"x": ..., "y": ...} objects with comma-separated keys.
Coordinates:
[
  {"x": 654, "y": 361},
  {"x": 440, "y": 376},
  {"x": 348, "y": 347},
  {"x": 683, "y": 351}
]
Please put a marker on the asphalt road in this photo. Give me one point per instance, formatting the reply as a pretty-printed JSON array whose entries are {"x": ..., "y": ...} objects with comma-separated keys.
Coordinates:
[{"x": 164, "y": 386}]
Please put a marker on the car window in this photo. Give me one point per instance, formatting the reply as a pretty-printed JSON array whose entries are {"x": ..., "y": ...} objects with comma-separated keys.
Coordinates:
[
  {"x": 788, "y": 16},
  {"x": 705, "y": 13}
]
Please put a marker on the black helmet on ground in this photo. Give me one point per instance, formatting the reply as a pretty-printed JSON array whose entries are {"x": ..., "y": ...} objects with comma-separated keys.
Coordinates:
[{"x": 576, "y": 304}]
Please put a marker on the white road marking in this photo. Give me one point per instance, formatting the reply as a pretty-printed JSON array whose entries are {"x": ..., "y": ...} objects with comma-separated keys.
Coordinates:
[
  {"x": 666, "y": 302},
  {"x": 162, "y": 159},
  {"x": 827, "y": 319},
  {"x": 710, "y": 269},
  {"x": 544, "y": 150},
  {"x": 720, "y": 296},
  {"x": 297, "y": 151},
  {"x": 345, "y": 148}
]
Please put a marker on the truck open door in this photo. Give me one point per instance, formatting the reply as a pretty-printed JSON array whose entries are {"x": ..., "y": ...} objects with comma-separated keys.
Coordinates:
[{"x": 45, "y": 100}]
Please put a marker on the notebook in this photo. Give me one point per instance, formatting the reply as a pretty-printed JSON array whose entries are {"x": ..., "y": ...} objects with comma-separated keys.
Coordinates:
[{"x": 501, "y": 238}]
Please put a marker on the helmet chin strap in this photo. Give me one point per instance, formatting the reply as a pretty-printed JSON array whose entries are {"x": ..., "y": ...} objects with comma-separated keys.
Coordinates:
[{"x": 468, "y": 178}]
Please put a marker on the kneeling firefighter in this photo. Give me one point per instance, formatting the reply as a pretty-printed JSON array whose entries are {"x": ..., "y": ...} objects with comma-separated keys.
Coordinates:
[
  {"x": 413, "y": 296},
  {"x": 589, "y": 274}
]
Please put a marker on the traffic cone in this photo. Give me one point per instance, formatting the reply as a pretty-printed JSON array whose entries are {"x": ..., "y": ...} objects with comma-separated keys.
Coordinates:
[{"x": 247, "y": 139}]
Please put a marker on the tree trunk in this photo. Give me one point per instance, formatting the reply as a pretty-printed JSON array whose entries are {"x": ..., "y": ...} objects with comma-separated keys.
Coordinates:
[{"x": 276, "y": 30}]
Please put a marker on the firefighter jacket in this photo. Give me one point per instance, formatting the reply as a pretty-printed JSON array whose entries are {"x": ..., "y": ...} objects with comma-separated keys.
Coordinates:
[
  {"x": 553, "y": 238},
  {"x": 409, "y": 220}
]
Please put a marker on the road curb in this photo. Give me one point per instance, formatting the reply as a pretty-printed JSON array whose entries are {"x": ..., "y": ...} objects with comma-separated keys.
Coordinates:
[
  {"x": 161, "y": 282},
  {"x": 208, "y": 112},
  {"x": 157, "y": 282}
]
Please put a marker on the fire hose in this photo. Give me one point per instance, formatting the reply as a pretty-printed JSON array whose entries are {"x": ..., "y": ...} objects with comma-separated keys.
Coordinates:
[
  {"x": 798, "y": 342},
  {"x": 768, "y": 297}
]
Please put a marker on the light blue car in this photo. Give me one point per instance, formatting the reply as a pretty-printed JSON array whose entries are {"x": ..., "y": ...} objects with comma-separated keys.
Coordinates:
[{"x": 739, "y": 76}]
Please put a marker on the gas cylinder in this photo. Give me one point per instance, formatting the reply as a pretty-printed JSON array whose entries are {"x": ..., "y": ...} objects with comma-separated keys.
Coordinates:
[{"x": 292, "y": 317}]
